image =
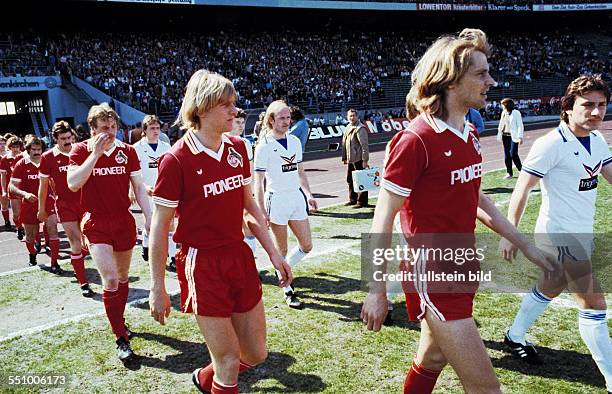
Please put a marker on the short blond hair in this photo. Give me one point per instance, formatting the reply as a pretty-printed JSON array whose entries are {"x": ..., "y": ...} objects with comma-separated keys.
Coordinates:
[
  {"x": 204, "y": 91},
  {"x": 101, "y": 112},
  {"x": 273, "y": 108},
  {"x": 444, "y": 63}
]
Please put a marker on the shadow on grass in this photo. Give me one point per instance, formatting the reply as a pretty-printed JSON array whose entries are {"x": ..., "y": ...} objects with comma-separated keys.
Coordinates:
[
  {"x": 318, "y": 291},
  {"x": 498, "y": 190},
  {"x": 363, "y": 213},
  {"x": 557, "y": 364},
  {"x": 193, "y": 355},
  {"x": 321, "y": 195}
]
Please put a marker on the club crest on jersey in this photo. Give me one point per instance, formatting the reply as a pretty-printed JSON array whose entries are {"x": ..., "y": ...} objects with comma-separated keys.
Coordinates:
[
  {"x": 291, "y": 164},
  {"x": 121, "y": 157},
  {"x": 594, "y": 170},
  {"x": 234, "y": 158},
  {"x": 153, "y": 162},
  {"x": 476, "y": 144}
]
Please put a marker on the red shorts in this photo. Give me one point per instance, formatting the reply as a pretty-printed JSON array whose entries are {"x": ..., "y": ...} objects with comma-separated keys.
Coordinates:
[
  {"x": 218, "y": 282},
  {"x": 29, "y": 211},
  {"x": 68, "y": 211},
  {"x": 118, "y": 230},
  {"x": 447, "y": 300}
]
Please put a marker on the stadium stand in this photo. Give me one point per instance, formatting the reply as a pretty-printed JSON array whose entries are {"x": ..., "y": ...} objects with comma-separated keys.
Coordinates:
[{"x": 334, "y": 73}]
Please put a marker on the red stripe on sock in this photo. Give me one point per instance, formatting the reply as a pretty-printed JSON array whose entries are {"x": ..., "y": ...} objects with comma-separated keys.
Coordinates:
[
  {"x": 420, "y": 380},
  {"x": 5, "y": 216}
]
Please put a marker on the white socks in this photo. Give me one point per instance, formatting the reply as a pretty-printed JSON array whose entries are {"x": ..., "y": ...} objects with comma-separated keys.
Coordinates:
[
  {"x": 252, "y": 242},
  {"x": 295, "y": 256},
  {"x": 171, "y": 245},
  {"x": 145, "y": 238},
  {"x": 532, "y": 307},
  {"x": 593, "y": 327}
]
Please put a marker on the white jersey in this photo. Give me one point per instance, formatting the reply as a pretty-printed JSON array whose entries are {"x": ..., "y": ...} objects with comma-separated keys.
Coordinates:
[
  {"x": 149, "y": 159},
  {"x": 249, "y": 148},
  {"x": 280, "y": 164},
  {"x": 568, "y": 175}
]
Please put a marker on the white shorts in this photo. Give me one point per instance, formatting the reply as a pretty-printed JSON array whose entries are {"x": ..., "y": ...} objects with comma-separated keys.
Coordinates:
[
  {"x": 285, "y": 206},
  {"x": 576, "y": 247}
]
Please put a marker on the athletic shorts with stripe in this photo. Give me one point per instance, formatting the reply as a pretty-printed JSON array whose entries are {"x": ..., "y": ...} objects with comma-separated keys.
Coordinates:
[
  {"x": 447, "y": 300},
  {"x": 218, "y": 282},
  {"x": 118, "y": 230},
  {"x": 29, "y": 211},
  {"x": 284, "y": 206},
  {"x": 68, "y": 212}
]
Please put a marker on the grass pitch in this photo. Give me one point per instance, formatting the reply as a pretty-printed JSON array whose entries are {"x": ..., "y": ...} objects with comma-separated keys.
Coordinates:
[{"x": 323, "y": 348}]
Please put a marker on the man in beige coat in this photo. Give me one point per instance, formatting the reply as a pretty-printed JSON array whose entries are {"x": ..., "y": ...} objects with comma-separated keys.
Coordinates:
[{"x": 355, "y": 153}]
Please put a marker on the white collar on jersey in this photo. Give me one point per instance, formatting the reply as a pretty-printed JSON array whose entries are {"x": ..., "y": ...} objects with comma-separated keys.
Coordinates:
[
  {"x": 57, "y": 152},
  {"x": 441, "y": 126},
  {"x": 116, "y": 144},
  {"x": 195, "y": 146},
  {"x": 566, "y": 133},
  {"x": 27, "y": 159}
]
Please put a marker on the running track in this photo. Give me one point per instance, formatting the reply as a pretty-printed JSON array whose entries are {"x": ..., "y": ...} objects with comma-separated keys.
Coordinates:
[{"x": 327, "y": 179}]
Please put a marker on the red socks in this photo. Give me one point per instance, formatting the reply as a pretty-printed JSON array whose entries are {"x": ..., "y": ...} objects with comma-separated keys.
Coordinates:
[
  {"x": 46, "y": 233},
  {"x": 124, "y": 290},
  {"x": 218, "y": 388},
  {"x": 31, "y": 248},
  {"x": 114, "y": 311},
  {"x": 54, "y": 246},
  {"x": 5, "y": 216},
  {"x": 420, "y": 380},
  {"x": 79, "y": 268},
  {"x": 205, "y": 376}
]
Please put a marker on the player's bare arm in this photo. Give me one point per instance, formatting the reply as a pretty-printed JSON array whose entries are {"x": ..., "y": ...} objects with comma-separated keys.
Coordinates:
[
  {"x": 4, "y": 183},
  {"x": 78, "y": 176},
  {"x": 257, "y": 223},
  {"x": 312, "y": 203},
  {"x": 14, "y": 188},
  {"x": 491, "y": 217},
  {"x": 159, "y": 301},
  {"x": 43, "y": 186},
  {"x": 141, "y": 193},
  {"x": 525, "y": 183},
  {"x": 374, "y": 308},
  {"x": 606, "y": 171},
  {"x": 260, "y": 177}
]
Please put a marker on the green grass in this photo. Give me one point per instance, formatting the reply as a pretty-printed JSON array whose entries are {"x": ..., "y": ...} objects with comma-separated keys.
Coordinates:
[{"x": 323, "y": 348}]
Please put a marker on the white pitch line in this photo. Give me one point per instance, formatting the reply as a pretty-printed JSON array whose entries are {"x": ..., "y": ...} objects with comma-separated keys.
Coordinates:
[{"x": 73, "y": 319}]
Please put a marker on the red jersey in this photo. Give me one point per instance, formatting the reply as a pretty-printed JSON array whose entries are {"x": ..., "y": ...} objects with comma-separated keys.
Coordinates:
[
  {"x": 206, "y": 187},
  {"x": 54, "y": 164},
  {"x": 107, "y": 189},
  {"x": 7, "y": 163},
  {"x": 438, "y": 169},
  {"x": 26, "y": 172}
]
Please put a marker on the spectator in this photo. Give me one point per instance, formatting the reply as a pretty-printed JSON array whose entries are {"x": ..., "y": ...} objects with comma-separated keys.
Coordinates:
[
  {"x": 473, "y": 116},
  {"x": 299, "y": 126},
  {"x": 510, "y": 132}
]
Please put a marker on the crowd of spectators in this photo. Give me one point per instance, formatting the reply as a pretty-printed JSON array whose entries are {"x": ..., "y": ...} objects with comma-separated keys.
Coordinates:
[
  {"x": 494, "y": 2},
  {"x": 149, "y": 71}
]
